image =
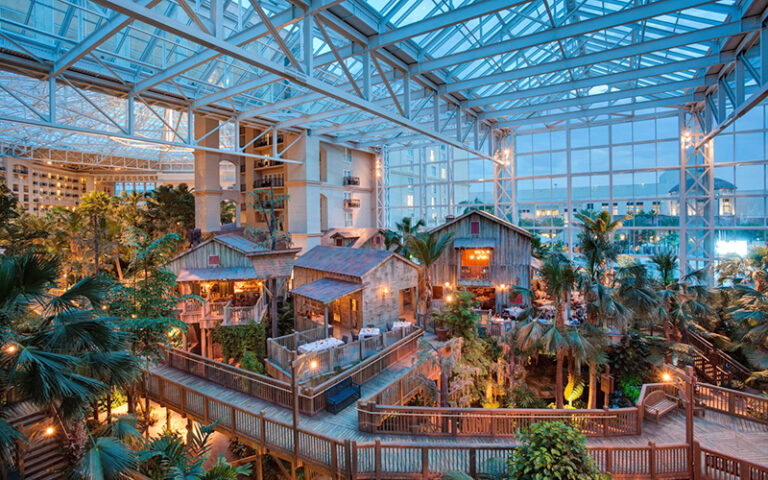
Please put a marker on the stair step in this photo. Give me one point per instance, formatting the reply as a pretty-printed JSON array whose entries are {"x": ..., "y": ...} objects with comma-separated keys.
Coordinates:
[
  {"x": 36, "y": 459},
  {"x": 50, "y": 472}
]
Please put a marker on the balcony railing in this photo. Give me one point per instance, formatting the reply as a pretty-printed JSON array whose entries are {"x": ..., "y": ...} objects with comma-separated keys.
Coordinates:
[
  {"x": 352, "y": 203},
  {"x": 349, "y": 180}
]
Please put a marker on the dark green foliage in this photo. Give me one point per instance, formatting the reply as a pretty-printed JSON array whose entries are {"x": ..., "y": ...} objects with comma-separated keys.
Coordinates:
[
  {"x": 522, "y": 396},
  {"x": 169, "y": 209},
  {"x": 552, "y": 451},
  {"x": 458, "y": 315},
  {"x": 631, "y": 357},
  {"x": 285, "y": 321},
  {"x": 235, "y": 341}
]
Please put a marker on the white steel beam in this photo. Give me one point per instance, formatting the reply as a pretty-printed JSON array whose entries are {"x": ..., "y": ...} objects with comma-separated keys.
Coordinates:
[
  {"x": 224, "y": 47},
  {"x": 619, "y": 53},
  {"x": 583, "y": 27}
]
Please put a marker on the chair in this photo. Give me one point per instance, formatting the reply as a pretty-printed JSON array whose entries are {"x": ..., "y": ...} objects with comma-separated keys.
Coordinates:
[
  {"x": 345, "y": 339},
  {"x": 389, "y": 326},
  {"x": 658, "y": 404},
  {"x": 354, "y": 337},
  {"x": 370, "y": 325}
]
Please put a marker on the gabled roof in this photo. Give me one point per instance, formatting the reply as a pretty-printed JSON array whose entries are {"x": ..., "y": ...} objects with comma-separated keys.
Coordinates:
[
  {"x": 362, "y": 235},
  {"x": 354, "y": 262},
  {"x": 490, "y": 217},
  {"x": 234, "y": 241}
]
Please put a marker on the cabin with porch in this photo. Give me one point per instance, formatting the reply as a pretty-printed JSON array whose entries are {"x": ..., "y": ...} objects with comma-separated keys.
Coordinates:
[
  {"x": 351, "y": 288},
  {"x": 487, "y": 256},
  {"x": 228, "y": 273},
  {"x": 354, "y": 237}
]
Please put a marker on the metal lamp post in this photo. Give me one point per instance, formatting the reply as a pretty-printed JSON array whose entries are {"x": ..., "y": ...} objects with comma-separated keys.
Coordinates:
[{"x": 295, "y": 372}]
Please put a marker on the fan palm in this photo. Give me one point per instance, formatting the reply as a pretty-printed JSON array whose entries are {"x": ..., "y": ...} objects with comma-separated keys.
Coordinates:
[
  {"x": 559, "y": 278},
  {"x": 406, "y": 229},
  {"x": 59, "y": 351},
  {"x": 750, "y": 312},
  {"x": 427, "y": 248}
]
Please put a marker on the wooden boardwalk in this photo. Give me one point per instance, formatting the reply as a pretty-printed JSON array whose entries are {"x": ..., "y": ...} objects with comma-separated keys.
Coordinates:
[{"x": 730, "y": 435}]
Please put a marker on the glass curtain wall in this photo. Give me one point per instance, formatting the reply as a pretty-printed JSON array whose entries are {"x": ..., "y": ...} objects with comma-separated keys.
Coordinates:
[{"x": 630, "y": 168}]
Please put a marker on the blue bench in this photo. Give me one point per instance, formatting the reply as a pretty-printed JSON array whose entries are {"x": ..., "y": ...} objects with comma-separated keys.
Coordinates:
[{"x": 340, "y": 395}]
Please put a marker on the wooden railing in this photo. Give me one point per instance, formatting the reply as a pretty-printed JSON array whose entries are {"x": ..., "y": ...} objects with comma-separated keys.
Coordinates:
[
  {"x": 228, "y": 376},
  {"x": 331, "y": 359},
  {"x": 494, "y": 422},
  {"x": 243, "y": 315},
  {"x": 347, "y": 459},
  {"x": 732, "y": 402},
  {"x": 311, "y": 398},
  {"x": 711, "y": 465},
  {"x": 720, "y": 363}
]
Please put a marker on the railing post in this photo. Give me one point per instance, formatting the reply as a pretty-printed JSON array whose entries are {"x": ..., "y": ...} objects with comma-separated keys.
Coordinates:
[
  {"x": 353, "y": 462},
  {"x": 605, "y": 421},
  {"x": 652, "y": 460},
  {"x": 232, "y": 416},
  {"x": 377, "y": 458},
  {"x": 731, "y": 403},
  {"x": 472, "y": 462},
  {"x": 609, "y": 460},
  {"x": 348, "y": 458},
  {"x": 425, "y": 462},
  {"x": 696, "y": 474},
  {"x": 263, "y": 430}
]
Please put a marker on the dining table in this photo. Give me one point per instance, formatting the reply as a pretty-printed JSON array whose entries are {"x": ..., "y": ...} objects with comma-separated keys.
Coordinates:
[
  {"x": 369, "y": 332},
  {"x": 401, "y": 324},
  {"x": 320, "y": 345}
]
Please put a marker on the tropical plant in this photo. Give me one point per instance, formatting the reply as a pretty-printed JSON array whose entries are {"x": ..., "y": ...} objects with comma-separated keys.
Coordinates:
[
  {"x": 169, "y": 210},
  {"x": 406, "y": 228},
  {"x": 427, "y": 248},
  {"x": 169, "y": 457},
  {"x": 459, "y": 316},
  {"x": 58, "y": 351},
  {"x": 552, "y": 450},
  {"x": 146, "y": 302},
  {"x": 95, "y": 208},
  {"x": 559, "y": 278}
]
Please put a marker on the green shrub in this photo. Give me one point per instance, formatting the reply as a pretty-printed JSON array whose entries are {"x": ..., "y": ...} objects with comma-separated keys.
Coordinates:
[
  {"x": 522, "y": 396},
  {"x": 251, "y": 362},
  {"x": 552, "y": 450},
  {"x": 235, "y": 341}
]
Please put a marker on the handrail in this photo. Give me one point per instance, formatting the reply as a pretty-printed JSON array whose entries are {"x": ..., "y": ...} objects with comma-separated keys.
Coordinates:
[{"x": 348, "y": 460}]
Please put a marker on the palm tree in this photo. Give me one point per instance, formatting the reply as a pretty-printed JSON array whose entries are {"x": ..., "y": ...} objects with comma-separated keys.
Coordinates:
[
  {"x": 59, "y": 352},
  {"x": 750, "y": 312},
  {"x": 559, "y": 278},
  {"x": 685, "y": 302},
  {"x": 406, "y": 229},
  {"x": 595, "y": 239},
  {"x": 146, "y": 302},
  {"x": 427, "y": 248}
]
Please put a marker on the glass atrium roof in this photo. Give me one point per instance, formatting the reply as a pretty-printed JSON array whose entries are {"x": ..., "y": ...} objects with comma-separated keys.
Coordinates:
[{"x": 128, "y": 74}]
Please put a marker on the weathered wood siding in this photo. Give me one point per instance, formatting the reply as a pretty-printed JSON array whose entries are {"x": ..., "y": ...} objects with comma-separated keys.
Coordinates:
[
  {"x": 394, "y": 274},
  {"x": 342, "y": 306},
  {"x": 510, "y": 262},
  {"x": 198, "y": 258}
]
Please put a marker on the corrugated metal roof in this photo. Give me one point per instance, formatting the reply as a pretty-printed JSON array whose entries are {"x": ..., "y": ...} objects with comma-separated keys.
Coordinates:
[
  {"x": 210, "y": 274},
  {"x": 354, "y": 262},
  {"x": 239, "y": 243},
  {"x": 326, "y": 290},
  {"x": 469, "y": 242}
]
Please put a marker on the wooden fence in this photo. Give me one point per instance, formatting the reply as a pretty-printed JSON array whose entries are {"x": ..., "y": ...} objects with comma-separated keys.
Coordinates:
[
  {"x": 732, "y": 402},
  {"x": 311, "y": 398},
  {"x": 281, "y": 355},
  {"x": 347, "y": 459}
]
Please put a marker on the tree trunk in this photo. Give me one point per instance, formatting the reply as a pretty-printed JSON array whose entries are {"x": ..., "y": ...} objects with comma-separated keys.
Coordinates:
[
  {"x": 118, "y": 268},
  {"x": 109, "y": 407},
  {"x": 273, "y": 307},
  {"x": 95, "y": 245},
  {"x": 559, "y": 380},
  {"x": 592, "y": 385},
  {"x": 95, "y": 408},
  {"x": 131, "y": 399},
  {"x": 146, "y": 404}
]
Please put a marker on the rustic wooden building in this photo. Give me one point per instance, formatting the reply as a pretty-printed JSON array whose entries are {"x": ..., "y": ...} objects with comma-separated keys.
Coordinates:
[
  {"x": 350, "y": 288},
  {"x": 488, "y": 256},
  {"x": 354, "y": 237},
  {"x": 228, "y": 272}
]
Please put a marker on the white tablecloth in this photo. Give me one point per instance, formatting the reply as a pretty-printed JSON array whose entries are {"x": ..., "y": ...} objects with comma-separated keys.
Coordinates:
[
  {"x": 320, "y": 345},
  {"x": 401, "y": 325},
  {"x": 514, "y": 311},
  {"x": 369, "y": 332}
]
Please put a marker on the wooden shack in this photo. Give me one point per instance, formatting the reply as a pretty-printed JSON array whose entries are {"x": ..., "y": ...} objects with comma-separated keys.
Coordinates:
[
  {"x": 488, "y": 256},
  {"x": 349, "y": 288},
  {"x": 228, "y": 272},
  {"x": 354, "y": 237}
]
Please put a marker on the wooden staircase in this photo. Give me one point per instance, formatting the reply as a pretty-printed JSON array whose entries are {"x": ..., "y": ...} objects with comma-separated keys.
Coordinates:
[
  {"x": 711, "y": 363},
  {"x": 42, "y": 456}
]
